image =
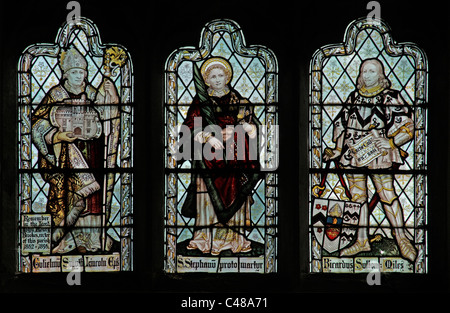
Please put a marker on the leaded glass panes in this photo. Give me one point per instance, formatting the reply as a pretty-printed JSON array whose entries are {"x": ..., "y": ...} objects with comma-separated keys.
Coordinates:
[
  {"x": 75, "y": 131},
  {"x": 221, "y": 212},
  {"x": 367, "y": 154}
]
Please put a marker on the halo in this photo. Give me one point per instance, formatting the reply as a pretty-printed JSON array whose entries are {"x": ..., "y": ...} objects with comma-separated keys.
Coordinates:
[{"x": 216, "y": 61}]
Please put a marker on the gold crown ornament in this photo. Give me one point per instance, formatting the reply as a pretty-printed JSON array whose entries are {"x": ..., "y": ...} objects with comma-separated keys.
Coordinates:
[{"x": 113, "y": 59}]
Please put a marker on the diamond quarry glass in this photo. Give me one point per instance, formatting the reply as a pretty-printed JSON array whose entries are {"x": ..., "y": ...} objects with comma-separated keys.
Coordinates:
[
  {"x": 368, "y": 107},
  {"x": 75, "y": 131},
  {"x": 221, "y": 200}
]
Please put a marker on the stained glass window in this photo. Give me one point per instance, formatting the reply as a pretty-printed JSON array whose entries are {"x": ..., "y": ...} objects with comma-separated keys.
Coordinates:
[
  {"x": 75, "y": 132},
  {"x": 221, "y": 206},
  {"x": 367, "y": 154}
]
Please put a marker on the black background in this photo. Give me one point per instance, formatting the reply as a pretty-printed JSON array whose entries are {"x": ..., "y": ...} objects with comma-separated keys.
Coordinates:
[{"x": 293, "y": 31}]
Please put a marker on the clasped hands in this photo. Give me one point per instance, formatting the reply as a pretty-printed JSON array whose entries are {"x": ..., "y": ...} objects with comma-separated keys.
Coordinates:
[{"x": 227, "y": 132}]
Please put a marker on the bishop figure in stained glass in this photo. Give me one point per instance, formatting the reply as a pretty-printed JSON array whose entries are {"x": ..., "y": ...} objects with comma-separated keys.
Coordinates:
[{"x": 70, "y": 128}]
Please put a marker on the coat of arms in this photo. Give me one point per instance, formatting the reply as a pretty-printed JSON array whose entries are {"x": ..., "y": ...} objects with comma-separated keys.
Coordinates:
[{"x": 334, "y": 223}]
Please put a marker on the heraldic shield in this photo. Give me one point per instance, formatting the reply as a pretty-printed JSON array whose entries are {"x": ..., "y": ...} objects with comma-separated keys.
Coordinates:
[{"x": 334, "y": 223}]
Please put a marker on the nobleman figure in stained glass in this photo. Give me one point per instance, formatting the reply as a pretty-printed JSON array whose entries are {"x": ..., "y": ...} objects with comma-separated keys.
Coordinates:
[
  {"x": 70, "y": 129},
  {"x": 368, "y": 133},
  {"x": 220, "y": 199}
]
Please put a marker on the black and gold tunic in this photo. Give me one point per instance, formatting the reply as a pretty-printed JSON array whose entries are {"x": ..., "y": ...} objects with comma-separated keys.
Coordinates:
[{"x": 383, "y": 114}]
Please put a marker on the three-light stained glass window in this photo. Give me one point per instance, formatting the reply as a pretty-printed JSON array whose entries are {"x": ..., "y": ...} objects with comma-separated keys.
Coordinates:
[
  {"x": 221, "y": 117},
  {"x": 368, "y": 104},
  {"x": 75, "y": 131},
  {"x": 368, "y": 107}
]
